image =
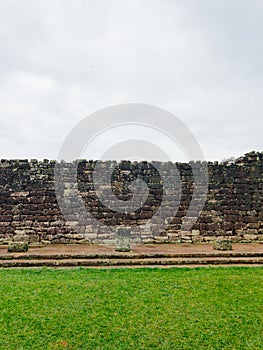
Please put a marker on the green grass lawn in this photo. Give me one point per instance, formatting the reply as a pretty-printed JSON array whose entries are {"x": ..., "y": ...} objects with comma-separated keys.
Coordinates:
[{"x": 203, "y": 308}]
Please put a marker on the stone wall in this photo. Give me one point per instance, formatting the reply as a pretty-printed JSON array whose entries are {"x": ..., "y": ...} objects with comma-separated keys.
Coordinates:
[{"x": 29, "y": 208}]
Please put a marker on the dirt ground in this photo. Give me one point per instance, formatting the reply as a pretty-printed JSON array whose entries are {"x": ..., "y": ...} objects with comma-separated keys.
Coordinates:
[{"x": 73, "y": 249}]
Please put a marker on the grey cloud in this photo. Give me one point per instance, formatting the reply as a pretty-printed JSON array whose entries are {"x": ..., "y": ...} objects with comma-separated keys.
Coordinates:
[{"x": 61, "y": 60}]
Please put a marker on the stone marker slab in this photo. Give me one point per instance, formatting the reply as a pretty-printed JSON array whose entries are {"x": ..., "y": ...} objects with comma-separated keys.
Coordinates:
[
  {"x": 123, "y": 239},
  {"x": 17, "y": 247},
  {"x": 222, "y": 244}
]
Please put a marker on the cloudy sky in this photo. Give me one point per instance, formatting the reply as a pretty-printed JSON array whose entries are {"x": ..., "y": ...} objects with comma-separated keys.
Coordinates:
[{"x": 61, "y": 60}]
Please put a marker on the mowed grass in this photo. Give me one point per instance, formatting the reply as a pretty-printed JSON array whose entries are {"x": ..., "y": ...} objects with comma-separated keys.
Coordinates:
[{"x": 203, "y": 308}]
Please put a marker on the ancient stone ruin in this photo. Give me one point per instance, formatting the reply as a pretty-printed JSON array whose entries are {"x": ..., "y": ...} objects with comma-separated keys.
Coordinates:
[{"x": 233, "y": 209}]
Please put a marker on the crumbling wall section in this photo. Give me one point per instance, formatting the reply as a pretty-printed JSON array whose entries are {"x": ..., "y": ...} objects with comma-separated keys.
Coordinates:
[{"x": 29, "y": 208}]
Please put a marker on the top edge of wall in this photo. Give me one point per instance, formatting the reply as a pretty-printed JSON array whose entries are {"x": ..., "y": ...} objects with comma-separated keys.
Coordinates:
[{"x": 247, "y": 157}]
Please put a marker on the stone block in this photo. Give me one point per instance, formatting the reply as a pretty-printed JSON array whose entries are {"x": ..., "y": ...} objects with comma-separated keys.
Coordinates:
[
  {"x": 123, "y": 239},
  {"x": 250, "y": 237},
  {"x": 222, "y": 244},
  {"x": 33, "y": 239},
  {"x": 208, "y": 239},
  {"x": 21, "y": 238},
  {"x": 197, "y": 239},
  {"x": 160, "y": 239},
  {"x": 195, "y": 232},
  {"x": 45, "y": 242},
  {"x": 17, "y": 247},
  {"x": 147, "y": 240}
]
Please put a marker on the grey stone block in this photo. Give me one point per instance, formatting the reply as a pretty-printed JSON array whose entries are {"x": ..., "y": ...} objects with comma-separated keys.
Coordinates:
[
  {"x": 17, "y": 247},
  {"x": 223, "y": 244},
  {"x": 123, "y": 239}
]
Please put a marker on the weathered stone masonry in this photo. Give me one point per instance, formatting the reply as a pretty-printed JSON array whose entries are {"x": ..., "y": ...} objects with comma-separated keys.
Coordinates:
[{"x": 233, "y": 209}]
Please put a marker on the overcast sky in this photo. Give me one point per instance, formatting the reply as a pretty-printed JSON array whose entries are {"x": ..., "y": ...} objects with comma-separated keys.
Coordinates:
[{"x": 62, "y": 60}]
